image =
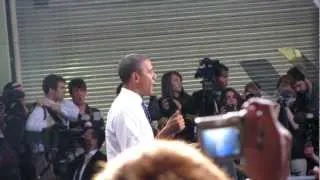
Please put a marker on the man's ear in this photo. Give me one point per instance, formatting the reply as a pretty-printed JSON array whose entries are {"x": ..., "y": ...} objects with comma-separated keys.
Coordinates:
[
  {"x": 136, "y": 77},
  {"x": 51, "y": 90}
]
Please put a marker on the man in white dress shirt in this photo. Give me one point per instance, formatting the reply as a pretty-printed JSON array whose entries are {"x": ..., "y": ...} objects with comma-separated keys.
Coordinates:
[
  {"x": 48, "y": 112},
  {"x": 128, "y": 122}
]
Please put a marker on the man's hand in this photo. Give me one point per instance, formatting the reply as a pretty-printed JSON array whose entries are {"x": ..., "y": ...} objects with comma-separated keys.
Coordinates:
[
  {"x": 267, "y": 144},
  {"x": 174, "y": 125},
  {"x": 55, "y": 106}
]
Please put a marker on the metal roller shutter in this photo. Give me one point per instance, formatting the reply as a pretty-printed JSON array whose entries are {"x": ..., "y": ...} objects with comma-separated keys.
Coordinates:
[{"x": 81, "y": 38}]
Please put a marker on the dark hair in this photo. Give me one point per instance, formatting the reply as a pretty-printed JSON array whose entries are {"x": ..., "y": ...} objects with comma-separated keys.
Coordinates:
[
  {"x": 77, "y": 83},
  {"x": 251, "y": 84},
  {"x": 119, "y": 88},
  {"x": 166, "y": 86},
  {"x": 11, "y": 94},
  {"x": 51, "y": 82},
  {"x": 130, "y": 64},
  {"x": 296, "y": 74},
  {"x": 219, "y": 69},
  {"x": 224, "y": 94},
  {"x": 285, "y": 80},
  {"x": 98, "y": 134}
]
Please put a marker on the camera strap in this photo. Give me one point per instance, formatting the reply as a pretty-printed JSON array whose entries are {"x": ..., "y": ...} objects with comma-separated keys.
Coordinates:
[{"x": 54, "y": 116}]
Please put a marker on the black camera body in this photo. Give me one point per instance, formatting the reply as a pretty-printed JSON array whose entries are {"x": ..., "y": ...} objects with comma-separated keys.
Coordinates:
[
  {"x": 206, "y": 71},
  {"x": 61, "y": 145}
]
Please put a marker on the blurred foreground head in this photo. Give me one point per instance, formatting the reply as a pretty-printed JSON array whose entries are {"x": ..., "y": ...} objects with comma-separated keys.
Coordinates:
[{"x": 162, "y": 160}]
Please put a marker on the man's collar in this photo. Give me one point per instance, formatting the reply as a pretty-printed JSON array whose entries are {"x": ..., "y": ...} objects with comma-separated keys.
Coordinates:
[{"x": 132, "y": 94}]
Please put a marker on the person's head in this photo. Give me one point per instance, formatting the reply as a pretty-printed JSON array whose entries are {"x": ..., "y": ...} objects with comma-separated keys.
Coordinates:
[
  {"x": 78, "y": 91},
  {"x": 253, "y": 88},
  {"x": 299, "y": 85},
  {"x": 171, "y": 83},
  {"x": 230, "y": 97},
  {"x": 285, "y": 82},
  {"x": 53, "y": 87},
  {"x": 93, "y": 138},
  {"x": 221, "y": 73},
  {"x": 13, "y": 91},
  {"x": 162, "y": 160},
  {"x": 136, "y": 73}
]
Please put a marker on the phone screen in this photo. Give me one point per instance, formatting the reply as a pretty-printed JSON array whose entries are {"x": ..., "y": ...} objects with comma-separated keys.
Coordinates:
[{"x": 221, "y": 142}]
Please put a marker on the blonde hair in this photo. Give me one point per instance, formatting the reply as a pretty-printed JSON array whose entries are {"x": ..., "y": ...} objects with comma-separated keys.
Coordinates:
[{"x": 162, "y": 160}]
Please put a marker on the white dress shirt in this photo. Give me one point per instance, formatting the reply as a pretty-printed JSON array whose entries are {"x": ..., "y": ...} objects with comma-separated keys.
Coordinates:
[
  {"x": 127, "y": 124},
  {"x": 36, "y": 121},
  {"x": 70, "y": 110}
]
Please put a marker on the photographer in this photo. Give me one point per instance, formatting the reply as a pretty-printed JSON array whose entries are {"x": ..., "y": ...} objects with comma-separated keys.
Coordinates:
[
  {"x": 12, "y": 127},
  {"x": 215, "y": 78}
]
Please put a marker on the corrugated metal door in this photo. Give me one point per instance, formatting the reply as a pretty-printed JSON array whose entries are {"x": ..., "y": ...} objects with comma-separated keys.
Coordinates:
[{"x": 81, "y": 38}]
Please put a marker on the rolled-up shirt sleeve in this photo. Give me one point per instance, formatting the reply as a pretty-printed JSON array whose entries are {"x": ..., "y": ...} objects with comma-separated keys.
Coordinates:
[{"x": 69, "y": 110}]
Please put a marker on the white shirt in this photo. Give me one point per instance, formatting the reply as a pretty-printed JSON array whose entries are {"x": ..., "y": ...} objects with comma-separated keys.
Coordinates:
[
  {"x": 127, "y": 124},
  {"x": 70, "y": 110},
  {"x": 37, "y": 122}
]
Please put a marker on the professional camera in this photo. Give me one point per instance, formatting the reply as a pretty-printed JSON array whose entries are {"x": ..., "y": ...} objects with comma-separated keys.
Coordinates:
[
  {"x": 206, "y": 100},
  {"x": 206, "y": 71},
  {"x": 12, "y": 92},
  {"x": 61, "y": 145}
]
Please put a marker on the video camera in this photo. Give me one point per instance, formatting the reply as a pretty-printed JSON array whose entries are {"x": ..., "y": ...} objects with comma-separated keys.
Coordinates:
[
  {"x": 206, "y": 71},
  {"x": 61, "y": 145}
]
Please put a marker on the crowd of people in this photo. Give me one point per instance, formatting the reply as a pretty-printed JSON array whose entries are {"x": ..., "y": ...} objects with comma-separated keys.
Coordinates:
[{"x": 56, "y": 138}]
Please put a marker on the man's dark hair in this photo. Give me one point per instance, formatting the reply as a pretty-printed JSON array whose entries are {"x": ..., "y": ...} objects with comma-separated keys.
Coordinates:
[
  {"x": 51, "y": 82},
  {"x": 219, "y": 69},
  {"x": 77, "y": 83},
  {"x": 130, "y": 64},
  {"x": 118, "y": 90},
  {"x": 296, "y": 74},
  {"x": 98, "y": 134},
  {"x": 11, "y": 94}
]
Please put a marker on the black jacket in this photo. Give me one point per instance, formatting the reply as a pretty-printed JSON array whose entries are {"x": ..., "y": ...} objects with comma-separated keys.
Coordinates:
[{"x": 91, "y": 169}]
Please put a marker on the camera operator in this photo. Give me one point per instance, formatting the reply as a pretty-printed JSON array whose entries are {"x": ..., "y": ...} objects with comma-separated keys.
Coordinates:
[
  {"x": 88, "y": 116},
  {"x": 215, "y": 78},
  {"x": 13, "y": 123},
  {"x": 86, "y": 166}
]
